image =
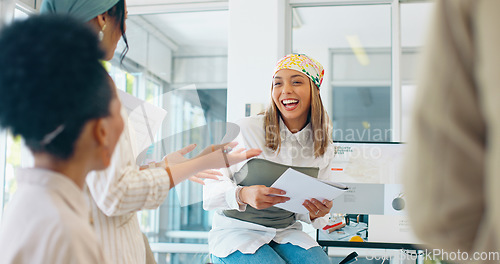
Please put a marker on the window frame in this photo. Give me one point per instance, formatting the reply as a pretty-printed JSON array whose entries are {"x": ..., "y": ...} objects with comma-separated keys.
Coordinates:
[
  {"x": 396, "y": 108},
  {"x": 3, "y": 163},
  {"x": 22, "y": 7}
]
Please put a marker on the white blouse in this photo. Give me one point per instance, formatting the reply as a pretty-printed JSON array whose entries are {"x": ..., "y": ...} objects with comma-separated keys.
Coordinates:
[
  {"x": 229, "y": 234},
  {"x": 117, "y": 193},
  {"x": 47, "y": 221}
]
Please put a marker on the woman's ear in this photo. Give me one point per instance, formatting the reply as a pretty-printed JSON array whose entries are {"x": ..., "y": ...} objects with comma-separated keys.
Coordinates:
[
  {"x": 101, "y": 20},
  {"x": 100, "y": 132},
  {"x": 101, "y": 135}
]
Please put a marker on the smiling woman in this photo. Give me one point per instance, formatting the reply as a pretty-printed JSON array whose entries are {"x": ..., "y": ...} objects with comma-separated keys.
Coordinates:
[
  {"x": 293, "y": 131},
  {"x": 295, "y": 68},
  {"x": 292, "y": 95}
]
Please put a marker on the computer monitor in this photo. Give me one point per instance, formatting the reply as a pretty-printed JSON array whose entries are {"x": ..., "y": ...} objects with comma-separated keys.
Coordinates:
[{"x": 372, "y": 212}]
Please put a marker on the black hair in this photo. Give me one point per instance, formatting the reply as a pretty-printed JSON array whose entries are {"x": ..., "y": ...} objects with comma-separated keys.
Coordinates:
[
  {"x": 118, "y": 12},
  {"x": 51, "y": 78}
]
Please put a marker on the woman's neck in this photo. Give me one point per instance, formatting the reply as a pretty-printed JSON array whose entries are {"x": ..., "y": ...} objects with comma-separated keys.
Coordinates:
[
  {"x": 296, "y": 125},
  {"x": 73, "y": 170}
]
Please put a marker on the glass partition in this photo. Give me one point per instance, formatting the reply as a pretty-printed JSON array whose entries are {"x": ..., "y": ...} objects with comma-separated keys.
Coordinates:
[
  {"x": 178, "y": 61},
  {"x": 14, "y": 154},
  {"x": 354, "y": 45}
]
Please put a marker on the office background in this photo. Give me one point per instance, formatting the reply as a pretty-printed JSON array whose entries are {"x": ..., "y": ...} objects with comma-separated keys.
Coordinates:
[{"x": 210, "y": 62}]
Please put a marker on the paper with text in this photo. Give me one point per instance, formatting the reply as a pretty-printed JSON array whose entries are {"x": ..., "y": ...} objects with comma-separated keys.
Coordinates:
[{"x": 300, "y": 187}]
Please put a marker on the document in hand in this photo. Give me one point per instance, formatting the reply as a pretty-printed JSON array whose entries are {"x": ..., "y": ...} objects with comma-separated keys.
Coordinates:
[{"x": 300, "y": 187}]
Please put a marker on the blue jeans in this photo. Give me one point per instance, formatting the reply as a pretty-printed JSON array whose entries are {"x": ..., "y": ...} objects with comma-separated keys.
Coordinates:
[{"x": 274, "y": 253}]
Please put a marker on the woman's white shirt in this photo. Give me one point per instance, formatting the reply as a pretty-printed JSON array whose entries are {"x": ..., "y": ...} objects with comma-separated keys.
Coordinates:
[
  {"x": 230, "y": 234},
  {"x": 47, "y": 221}
]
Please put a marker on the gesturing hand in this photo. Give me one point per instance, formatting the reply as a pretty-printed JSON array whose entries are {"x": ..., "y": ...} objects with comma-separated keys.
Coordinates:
[
  {"x": 207, "y": 174},
  {"x": 213, "y": 148},
  {"x": 316, "y": 208},
  {"x": 262, "y": 197},
  {"x": 178, "y": 156}
]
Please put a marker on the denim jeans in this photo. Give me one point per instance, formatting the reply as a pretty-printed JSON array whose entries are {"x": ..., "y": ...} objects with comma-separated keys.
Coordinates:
[{"x": 274, "y": 253}]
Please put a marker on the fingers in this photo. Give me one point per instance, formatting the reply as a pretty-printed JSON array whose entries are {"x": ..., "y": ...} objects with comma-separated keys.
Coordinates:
[
  {"x": 229, "y": 145},
  {"x": 208, "y": 175},
  {"x": 317, "y": 208},
  {"x": 276, "y": 199},
  {"x": 197, "y": 180},
  {"x": 272, "y": 198},
  {"x": 238, "y": 155},
  {"x": 319, "y": 205},
  {"x": 310, "y": 207},
  {"x": 275, "y": 191},
  {"x": 252, "y": 153},
  {"x": 213, "y": 172},
  {"x": 328, "y": 204},
  {"x": 187, "y": 149}
]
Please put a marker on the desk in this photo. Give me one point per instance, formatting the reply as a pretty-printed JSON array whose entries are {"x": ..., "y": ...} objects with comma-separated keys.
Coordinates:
[{"x": 337, "y": 244}]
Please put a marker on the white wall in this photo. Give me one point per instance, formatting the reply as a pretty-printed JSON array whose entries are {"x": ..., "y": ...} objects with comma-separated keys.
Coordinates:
[{"x": 256, "y": 38}]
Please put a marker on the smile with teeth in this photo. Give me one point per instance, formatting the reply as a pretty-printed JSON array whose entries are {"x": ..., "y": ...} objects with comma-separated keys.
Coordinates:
[{"x": 290, "y": 104}]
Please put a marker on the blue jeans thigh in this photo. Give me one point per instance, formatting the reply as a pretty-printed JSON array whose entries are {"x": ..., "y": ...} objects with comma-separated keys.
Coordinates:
[
  {"x": 264, "y": 255},
  {"x": 293, "y": 254}
]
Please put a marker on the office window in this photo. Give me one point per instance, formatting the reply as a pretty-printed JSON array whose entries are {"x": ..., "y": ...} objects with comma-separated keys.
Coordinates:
[
  {"x": 13, "y": 154},
  {"x": 354, "y": 45},
  {"x": 178, "y": 61}
]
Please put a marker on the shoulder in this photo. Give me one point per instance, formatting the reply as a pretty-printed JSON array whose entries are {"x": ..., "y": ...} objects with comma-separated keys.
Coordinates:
[{"x": 52, "y": 237}]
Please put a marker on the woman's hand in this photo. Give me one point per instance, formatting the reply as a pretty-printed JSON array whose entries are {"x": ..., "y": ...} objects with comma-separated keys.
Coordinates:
[
  {"x": 239, "y": 155},
  {"x": 316, "y": 208},
  {"x": 178, "y": 156},
  {"x": 207, "y": 174},
  {"x": 213, "y": 148},
  {"x": 171, "y": 159},
  {"x": 262, "y": 197}
]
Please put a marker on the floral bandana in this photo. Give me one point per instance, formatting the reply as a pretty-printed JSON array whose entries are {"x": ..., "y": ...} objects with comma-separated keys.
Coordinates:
[{"x": 303, "y": 64}]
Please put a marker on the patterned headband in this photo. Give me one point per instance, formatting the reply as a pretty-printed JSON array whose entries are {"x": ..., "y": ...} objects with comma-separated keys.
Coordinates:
[{"x": 303, "y": 64}]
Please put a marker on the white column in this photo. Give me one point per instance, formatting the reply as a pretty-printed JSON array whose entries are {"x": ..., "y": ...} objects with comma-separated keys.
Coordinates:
[
  {"x": 6, "y": 12},
  {"x": 3, "y": 159},
  {"x": 256, "y": 42},
  {"x": 396, "y": 72}
]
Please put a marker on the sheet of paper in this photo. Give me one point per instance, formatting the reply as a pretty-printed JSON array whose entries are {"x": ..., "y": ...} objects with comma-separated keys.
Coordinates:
[
  {"x": 144, "y": 117},
  {"x": 300, "y": 187}
]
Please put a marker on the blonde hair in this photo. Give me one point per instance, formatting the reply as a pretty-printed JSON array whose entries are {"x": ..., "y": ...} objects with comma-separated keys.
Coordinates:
[{"x": 318, "y": 117}]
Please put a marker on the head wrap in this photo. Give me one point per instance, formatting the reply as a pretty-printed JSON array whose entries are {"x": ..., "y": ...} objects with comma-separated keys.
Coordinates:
[
  {"x": 83, "y": 10},
  {"x": 304, "y": 64}
]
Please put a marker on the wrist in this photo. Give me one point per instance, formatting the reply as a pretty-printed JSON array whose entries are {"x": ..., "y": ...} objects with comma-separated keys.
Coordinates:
[
  {"x": 238, "y": 195},
  {"x": 170, "y": 177}
]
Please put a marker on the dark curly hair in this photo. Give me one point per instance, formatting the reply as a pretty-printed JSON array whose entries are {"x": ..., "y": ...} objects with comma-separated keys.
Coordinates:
[{"x": 51, "y": 78}]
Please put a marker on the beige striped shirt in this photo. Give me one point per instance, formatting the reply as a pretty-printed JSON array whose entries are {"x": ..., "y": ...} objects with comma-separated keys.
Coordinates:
[{"x": 116, "y": 194}]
